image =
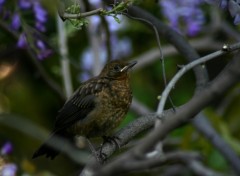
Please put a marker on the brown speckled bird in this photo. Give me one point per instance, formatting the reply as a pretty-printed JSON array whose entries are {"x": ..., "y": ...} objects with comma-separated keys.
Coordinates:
[{"x": 96, "y": 108}]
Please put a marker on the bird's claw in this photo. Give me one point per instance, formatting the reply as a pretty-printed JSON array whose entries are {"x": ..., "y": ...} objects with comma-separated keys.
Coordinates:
[
  {"x": 102, "y": 157},
  {"x": 112, "y": 140}
]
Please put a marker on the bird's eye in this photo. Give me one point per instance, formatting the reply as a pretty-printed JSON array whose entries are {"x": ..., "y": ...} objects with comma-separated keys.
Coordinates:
[{"x": 117, "y": 68}]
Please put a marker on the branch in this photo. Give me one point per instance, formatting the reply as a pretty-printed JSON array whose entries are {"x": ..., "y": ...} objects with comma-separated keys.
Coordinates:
[
  {"x": 203, "y": 125},
  {"x": 152, "y": 55},
  {"x": 189, "y": 159},
  {"x": 200, "y": 170},
  {"x": 188, "y": 67},
  {"x": 81, "y": 15},
  {"x": 146, "y": 164},
  {"x": 226, "y": 79}
]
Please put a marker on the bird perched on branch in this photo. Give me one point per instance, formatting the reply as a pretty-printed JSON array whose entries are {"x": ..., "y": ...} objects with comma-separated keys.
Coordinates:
[{"x": 95, "y": 109}]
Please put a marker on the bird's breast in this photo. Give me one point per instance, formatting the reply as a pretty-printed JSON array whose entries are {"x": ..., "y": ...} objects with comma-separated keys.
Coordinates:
[{"x": 112, "y": 104}]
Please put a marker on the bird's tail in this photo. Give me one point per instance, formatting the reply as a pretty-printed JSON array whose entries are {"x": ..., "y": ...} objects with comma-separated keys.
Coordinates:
[{"x": 46, "y": 149}]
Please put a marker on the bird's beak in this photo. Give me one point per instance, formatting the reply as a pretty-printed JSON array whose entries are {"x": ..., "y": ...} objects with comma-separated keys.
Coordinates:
[{"x": 128, "y": 66}]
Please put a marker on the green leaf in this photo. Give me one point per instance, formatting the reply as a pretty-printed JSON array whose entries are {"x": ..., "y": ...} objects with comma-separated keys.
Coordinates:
[
  {"x": 79, "y": 23},
  {"x": 73, "y": 9},
  {"x": 116, "y": 19}
]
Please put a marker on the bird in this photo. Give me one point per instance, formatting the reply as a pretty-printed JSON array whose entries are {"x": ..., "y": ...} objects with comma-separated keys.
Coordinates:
[{"x": 95, "y": 109}]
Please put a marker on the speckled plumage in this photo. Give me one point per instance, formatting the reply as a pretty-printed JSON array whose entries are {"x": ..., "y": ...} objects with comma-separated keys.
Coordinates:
[{"x": 96, "y": 108}]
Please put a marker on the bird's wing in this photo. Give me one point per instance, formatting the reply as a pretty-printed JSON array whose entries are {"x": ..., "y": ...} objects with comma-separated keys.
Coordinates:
[{"x": 79, "y": 105}]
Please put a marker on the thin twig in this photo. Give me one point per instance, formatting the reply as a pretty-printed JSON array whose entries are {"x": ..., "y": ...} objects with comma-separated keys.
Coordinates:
[
  {"x": 188, "y": 67},
  {"x": 81, "y": 15},
  {"x": 160, "y": 51},
  {"x": 148, "y": 57}
]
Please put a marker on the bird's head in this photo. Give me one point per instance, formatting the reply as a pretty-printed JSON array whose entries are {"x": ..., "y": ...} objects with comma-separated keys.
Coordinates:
[{"x": 117, "y": 69}]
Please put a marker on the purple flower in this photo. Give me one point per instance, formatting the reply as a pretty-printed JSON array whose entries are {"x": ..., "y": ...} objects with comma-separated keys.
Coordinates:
[
  {"x": 185, "y": 16},
  {"x": 170, "y": 12},
  {"x": 24, "y": 4},
  {"x": 87, "y": 61},
  {"x": 7, "y": 148},
  {"x": 237, "y": 19},
  {"x": 40, "y": 16},
  {"x": 40, "y": 26},
  {"x": 2, "y": 2},
  {"x": 234, "y": 9},
  {"x": 233, "y": 6},
  {"x": 22, "y": 41},
  {"x": 84, "y": 76},
  {"x": 16, "y": 23},
  {"x": 43, "y": 52},
  {"x": 223, "y": 4},
  {"x": 9, "y": 170},
  {"x": 40, "y": 44},
  {"x": 40, "y": 13},
  {"x": 1, "y": 5},
  {"x": 120, "y": 48}
]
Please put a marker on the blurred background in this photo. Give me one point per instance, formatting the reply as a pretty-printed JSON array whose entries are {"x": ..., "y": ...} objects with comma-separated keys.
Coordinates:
[{"x": 42, "y": 60}]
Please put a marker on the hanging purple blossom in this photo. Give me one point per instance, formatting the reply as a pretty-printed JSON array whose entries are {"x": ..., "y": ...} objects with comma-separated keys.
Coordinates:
[
  {"x": 233, "y": 6},
  {"x": 40, "y": 16},
  {"x": 1, "y": 5},
  {"x": 237, "y": 19},
  {"x": 42, "y": 50},
  {"x": 40, "y": 26},
  {"x": 25, "y": 4},
  {"x": 22, "y": 41},
  {"x": 185, "y": 16},
  {"x": 16, "y": 23},
  {"x": 29, "y": 38},
  {"x": 234, "y": 9},
  {"x": 7, "y": 148},
  {"x": 40, "y": 13},
  {"x": 2, "y": 2},
  {"x": 223, "y": 4},
  {"x": 9, "y": 170}
]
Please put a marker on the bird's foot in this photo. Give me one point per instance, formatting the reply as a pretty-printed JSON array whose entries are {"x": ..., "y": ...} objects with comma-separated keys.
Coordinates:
[{"x": 100, "y": 157}]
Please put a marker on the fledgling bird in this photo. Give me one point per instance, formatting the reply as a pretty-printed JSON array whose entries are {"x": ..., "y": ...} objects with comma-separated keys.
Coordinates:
[{"x": 96, "y": 108}]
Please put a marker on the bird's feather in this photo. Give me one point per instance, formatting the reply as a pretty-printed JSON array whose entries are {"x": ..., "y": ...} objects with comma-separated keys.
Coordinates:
[{"x": 79, "y": 105}]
